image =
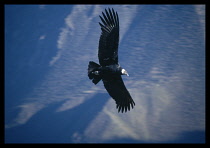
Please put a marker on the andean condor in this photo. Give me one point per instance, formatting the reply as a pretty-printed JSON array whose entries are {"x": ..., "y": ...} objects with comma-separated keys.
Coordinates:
[{"x": 109, "y": 69}]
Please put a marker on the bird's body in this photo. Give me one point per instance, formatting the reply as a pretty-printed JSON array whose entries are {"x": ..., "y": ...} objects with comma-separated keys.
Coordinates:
[{"x": 109, "y": 69}]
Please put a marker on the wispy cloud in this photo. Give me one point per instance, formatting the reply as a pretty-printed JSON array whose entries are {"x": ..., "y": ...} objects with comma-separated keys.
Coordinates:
[
  {"x": 126, "y": 14},
  {"x": 60, "y": 44},
  {"x": 42, "y": 37},
  {"x": 27, "y": 110},
  {"x": 200, "y": 10},
  {"x": 75, "y": 30}
]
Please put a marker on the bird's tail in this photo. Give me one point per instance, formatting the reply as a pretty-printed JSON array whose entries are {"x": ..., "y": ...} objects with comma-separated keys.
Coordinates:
[{"x": 93, "y": 72}]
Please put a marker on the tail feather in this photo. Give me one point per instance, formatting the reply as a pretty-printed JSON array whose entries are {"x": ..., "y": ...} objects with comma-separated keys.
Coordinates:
[{"x": 91, "y": 68}]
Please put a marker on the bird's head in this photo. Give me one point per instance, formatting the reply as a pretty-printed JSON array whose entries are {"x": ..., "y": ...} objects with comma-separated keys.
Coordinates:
[{"x": 124, "y": 72}]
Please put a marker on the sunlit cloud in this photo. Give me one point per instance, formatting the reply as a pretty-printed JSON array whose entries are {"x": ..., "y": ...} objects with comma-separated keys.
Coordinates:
[{"x": 27, "y": 110}]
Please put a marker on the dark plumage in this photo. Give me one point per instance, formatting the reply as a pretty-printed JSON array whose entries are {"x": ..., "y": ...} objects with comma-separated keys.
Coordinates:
[{"x": 109, "y": 70}]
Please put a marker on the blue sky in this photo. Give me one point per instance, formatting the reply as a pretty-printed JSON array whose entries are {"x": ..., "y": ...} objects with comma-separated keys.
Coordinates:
[{"x": 49, "y": 98}]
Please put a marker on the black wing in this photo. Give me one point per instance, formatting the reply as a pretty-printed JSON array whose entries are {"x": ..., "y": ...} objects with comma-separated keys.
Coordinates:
[
  {"x": 119, "y": 93},
  {"x": 109, "y": 39}
]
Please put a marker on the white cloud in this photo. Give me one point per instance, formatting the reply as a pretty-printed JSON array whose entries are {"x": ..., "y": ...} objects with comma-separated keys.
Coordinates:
[
  {"x": 126, "y": 14},
  {"x": 71, "y": 103},
  {"x": 60, "y": 45},
  {"x": 27, "y": 110},
  {"x": 76, "y": 30},
  {"x": 42, "y": 37},
  {"x": 200, "y": 10}
]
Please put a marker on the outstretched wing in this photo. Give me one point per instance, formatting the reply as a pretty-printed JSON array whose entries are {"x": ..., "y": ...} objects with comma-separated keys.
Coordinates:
[
  {"x": 109, "y": 39},
  {"x": 119, "y": 93}
]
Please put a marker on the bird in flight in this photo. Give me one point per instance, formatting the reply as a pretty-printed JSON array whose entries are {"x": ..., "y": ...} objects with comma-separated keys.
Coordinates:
[{"x": 109, "y": 70}]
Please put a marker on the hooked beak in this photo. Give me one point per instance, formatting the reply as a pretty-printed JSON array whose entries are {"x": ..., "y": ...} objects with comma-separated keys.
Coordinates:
[{"x": 124, "y": 72}]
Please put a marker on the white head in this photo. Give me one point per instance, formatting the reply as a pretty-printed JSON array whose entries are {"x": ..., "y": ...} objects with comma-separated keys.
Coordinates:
[{"x": 124, "y": 72}]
